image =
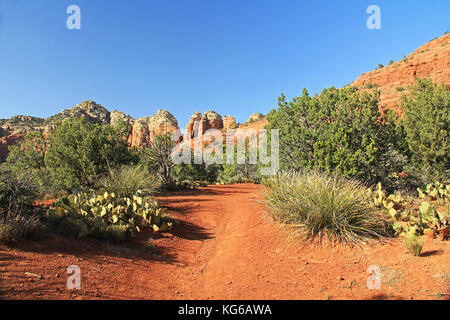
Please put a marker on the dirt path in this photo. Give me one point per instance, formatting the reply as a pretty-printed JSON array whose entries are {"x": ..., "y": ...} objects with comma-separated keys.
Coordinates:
[{"x": 223, "y": 248}]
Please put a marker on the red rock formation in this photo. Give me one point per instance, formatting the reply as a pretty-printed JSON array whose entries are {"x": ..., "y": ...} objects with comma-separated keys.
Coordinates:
[
  {"x": 199, "y": 123},
  {"x": 429, "y": 61},
  {"x": 163, "y": 122},
  {"x": 229, "y": 122}
]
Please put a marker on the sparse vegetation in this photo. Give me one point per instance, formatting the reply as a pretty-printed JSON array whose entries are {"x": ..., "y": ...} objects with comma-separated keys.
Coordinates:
[
  {"x": 19, "y": 225},
  {"x": 414, "y": 244},
  {"x": 107, "y": 216},
  {"x": 321, "y": 208}
]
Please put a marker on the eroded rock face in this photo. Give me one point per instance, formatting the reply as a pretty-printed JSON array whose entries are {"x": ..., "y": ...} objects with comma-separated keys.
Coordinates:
[
  {"x": 255, "y": 117},
  {"x": 201, "y": 123},
  {"x": 195, "y": 119},
  {"x": 229, "y": 122},
  {"x": 89, "y": 110},
  {"x": 163, "y": 122},
  {"x": 430, "y": 61}
]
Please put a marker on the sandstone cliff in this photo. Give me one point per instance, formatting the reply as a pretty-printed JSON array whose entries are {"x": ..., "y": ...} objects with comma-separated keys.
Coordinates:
[{"x": 432, "y": 61}]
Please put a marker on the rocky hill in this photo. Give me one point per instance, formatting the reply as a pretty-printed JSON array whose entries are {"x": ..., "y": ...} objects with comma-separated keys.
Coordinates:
[
  {"x": 13, "y": 130},
  {"x": 431, "y": 60}
]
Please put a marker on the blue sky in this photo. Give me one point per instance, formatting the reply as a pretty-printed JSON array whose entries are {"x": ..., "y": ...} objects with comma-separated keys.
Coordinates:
[{"x": 234, "y": 57}]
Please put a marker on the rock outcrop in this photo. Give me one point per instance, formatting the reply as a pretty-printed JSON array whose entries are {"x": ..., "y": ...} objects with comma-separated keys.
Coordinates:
[
  {"x": 209, "y": 120},
  {"x": 229, "y": 122},
  {"x": 430, "y": 61},
  {"x": 89, "y": 110},
  {"x": 163, "y": 122},
  {"x": 13, "y": 130},
  {"x": 255, "y": 117},
  {"x": 118, "y": 116}
]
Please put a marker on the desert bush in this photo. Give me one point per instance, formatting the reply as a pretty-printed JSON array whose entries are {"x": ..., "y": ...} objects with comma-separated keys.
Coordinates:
[
  {"x": 80, "y": 153},
  {"x": 18, "y": 225},
  {"x": 427, "y": 125},
  {"x": 326, "y": 208},
  {"x": 127, "y": 181},
  {"x": 16, "y": 192},
  {"x": 28, "y": 159},
  {"x": 414, "y": 244},
  {"x": 157, "y": 156},
  {"x": 107, "y": 216},
  {"x": 337, "y": 131}
]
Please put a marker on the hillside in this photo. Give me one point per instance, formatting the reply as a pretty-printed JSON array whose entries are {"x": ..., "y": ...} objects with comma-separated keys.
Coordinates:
[{"x": 431, "y": 60}]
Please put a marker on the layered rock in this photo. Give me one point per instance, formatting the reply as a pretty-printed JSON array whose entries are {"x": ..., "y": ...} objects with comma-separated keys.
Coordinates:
[
  {"x": 430, "y": 61},
  {"x": 229, "y": 122},
  {"x": 201, "y": 123},
  {"x": 144, "y": 129}
]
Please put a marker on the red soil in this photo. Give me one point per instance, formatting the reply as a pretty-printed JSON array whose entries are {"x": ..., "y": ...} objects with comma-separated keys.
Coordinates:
[{"x": 223, "y": 248}]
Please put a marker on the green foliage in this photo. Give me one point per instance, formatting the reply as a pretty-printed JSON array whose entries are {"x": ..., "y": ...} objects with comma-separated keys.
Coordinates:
[
  {"x": 435, "y": 191},
  {"x": 196, "y": 172},
  {"x": 108, "y": 216},
  {"x": 338, "y": 130},
  {"x": 79, "y": 153},
  {"x": 16, "y": 192},
  {"x": 157, "y": 156},
  {"x": 320, "y": 207},
  {"x": 414, "y": 244},
  {"x": 126, "y": 181},
  {"x": 28, "y": 159},
  {"x": 427, "y": 126}
]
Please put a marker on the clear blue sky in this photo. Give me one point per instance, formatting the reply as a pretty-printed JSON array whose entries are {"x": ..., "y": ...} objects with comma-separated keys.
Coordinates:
[{"x": 232, "y": 56}]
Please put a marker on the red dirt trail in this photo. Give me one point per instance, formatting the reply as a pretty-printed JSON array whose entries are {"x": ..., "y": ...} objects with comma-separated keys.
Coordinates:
[{"x": 223, "y": 248}]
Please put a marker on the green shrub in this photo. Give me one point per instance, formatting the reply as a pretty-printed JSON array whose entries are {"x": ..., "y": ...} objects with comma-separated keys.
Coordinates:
[
  {"x": 427, "y": 125},
  {"x": 414, "y": 244},
  {"x": 80, "y": 153},
  {"x": 28, "y": 159},
  {"x": 128, "y": 180},
  {"x": 16, "y": 226},
  {"x": 108, "y": 216},
  {"x": 338, "y": 130},
  {"x": 323, "y": 208}
]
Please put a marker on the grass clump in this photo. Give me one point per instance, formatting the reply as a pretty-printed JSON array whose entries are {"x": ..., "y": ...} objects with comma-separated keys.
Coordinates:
[
  {"x": 414, "y": 244},
  {"x": 323, "y": 208},
  {"x": 14, "y": 227},
  {"x": 128, "y": 181}
]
